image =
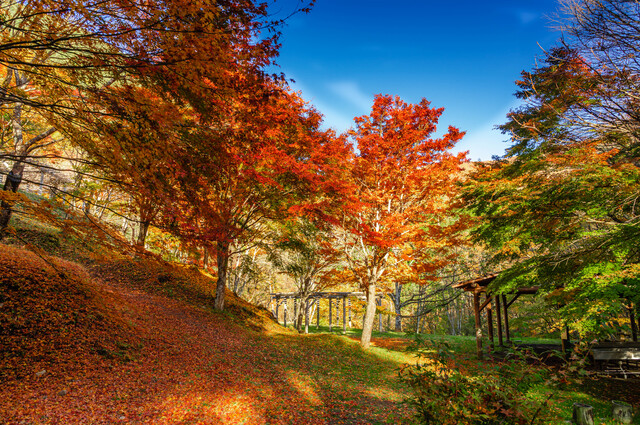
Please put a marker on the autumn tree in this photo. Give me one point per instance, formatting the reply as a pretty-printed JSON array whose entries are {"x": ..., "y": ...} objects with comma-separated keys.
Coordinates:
[
  {"x": 263, "y": 160},
  {"x": 92, "y": 65},
  {"x": 398, "y": 218}
]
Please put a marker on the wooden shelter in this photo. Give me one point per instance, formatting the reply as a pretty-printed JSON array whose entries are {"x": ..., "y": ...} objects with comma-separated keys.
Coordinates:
[
  {"x": 498, "y": 303},
  {"x": 282, "y": 298}
]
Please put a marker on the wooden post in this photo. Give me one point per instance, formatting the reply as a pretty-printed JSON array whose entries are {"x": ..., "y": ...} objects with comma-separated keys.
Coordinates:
[
  {"x": 476, "y": 310},
  {"x": 490, "y": 323},
  {"x": 505, "y": 306},
  {"x": 277, "y": 308},
  {"x": 330, "y": 314},
  {"x": 296, "y": 313},
  {"x": 565, "y": 339},
  {"x": 306, "y": 316},
  {"x": 318, "y": 314},
  {"x": 344, "y": 314},
  {"x": 582, "y": 414},
  {"x": 634, "y": 326},
  {"x": 499, "y": 319},
  {"x": 350, "y": 324}
]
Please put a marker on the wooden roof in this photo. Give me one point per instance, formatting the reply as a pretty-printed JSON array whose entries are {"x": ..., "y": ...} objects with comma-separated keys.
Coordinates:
[{"x": 480, "y": 284}]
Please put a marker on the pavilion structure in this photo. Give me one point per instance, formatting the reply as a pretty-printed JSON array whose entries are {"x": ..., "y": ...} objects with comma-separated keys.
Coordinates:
[
  {"x": 344, "y": 298},
  {"x": 484, "y": 299}
]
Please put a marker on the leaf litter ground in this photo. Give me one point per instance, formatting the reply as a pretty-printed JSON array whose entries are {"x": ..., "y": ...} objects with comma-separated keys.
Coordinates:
[{"x": 104, "y": 344}]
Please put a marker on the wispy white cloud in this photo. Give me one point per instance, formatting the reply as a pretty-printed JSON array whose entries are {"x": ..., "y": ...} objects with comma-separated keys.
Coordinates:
[
  {"x": 526, "y": 16},
  {"x": 352, "y": 93},
  {"x": 485, "y": 141},
  {"x": 334, "y": 118}
]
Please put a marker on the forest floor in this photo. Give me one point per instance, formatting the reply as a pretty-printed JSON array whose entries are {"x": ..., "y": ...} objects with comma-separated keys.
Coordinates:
[
  {"x": 92, "y": 336},
  {"x": 134, "y": 341}
]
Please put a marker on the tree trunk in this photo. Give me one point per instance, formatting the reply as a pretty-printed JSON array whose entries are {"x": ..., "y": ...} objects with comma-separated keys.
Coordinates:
[
  {"x": 142, "y": 233},
  {"x": 11, "y": 184},
  {"x": 369, "y": 316},
  {"x": 302, "y": 318},
  {"x": 398, "y": 307},
  {"x": 222, "y": 255},
  {"x": 205, "y": 258}
]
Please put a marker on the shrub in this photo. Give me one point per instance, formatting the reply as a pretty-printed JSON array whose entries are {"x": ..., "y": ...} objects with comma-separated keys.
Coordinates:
[{"x": 447, "y": 389}]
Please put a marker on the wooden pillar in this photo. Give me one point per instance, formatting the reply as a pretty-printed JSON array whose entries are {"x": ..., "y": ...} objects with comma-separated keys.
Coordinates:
[
  {"x": 318, "y": 313},
  {"x": 330, "y": 314},
  {"x": 296, "y": 313},
  {"x": 565, "y": 339},
  {"x": 344, "y": 314},
  {"x": 499, "y": 319},
  {"x": 505, "y": 306},
  {"x": 490, "y": 322},
  {"x": 350, "y": 324},
  {"x": 277, "y": 308},
  {"x": 306, "y": 316},
  {"x": 634, "y": 325},
  {"x": 476, "y": 310}
]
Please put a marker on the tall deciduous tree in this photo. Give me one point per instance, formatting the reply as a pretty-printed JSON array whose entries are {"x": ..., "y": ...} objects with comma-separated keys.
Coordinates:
[
  {"x": 404, "y": 187},
  {"x": 92, "y": 64},
  {"x": 263, "y": 162}
]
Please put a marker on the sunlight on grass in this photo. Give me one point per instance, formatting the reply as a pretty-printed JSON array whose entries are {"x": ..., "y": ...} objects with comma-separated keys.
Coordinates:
[
  {"x": 384, "y": 393},
  {"x": 304, "y": 385}
]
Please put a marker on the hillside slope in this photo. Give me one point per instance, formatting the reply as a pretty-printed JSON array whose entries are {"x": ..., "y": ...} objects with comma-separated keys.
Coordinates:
[{"x": 134, "y": 341}]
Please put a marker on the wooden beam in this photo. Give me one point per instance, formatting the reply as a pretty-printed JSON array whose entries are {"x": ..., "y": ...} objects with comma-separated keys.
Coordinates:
[
  {"x": 485, "y": 303},
  {"x": 515, "y": 297},
  {"x": 499, "y": 319},
  {"x": 476, "y": 310}
]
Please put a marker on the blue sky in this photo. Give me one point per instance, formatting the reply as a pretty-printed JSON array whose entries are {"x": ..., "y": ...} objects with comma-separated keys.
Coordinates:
[{"x": 460, "y": 55}]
